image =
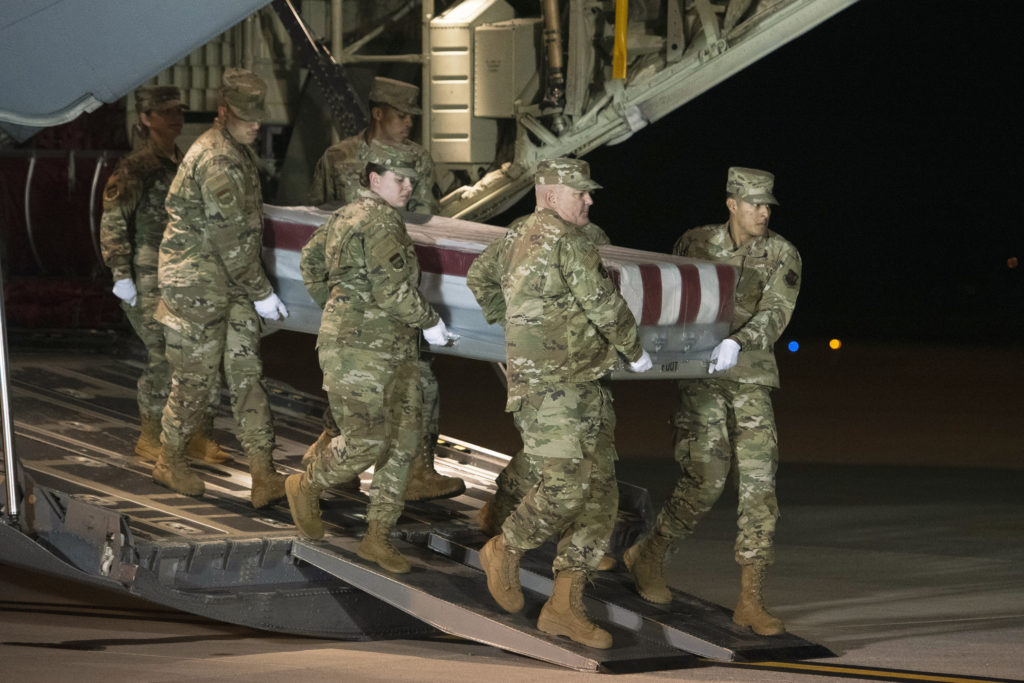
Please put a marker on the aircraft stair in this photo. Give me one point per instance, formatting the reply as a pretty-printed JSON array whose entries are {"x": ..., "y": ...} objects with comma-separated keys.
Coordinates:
[{"x": 91, "y": 513}]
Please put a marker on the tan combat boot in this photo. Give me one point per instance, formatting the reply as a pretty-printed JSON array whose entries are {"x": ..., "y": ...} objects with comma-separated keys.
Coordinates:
[
  {"x": 172, "y": 470},
  {"x": 148, "y": 446},
  {"x": 304, "y": 503},
  {"x": 267, "y": 482},
  {"x": 202, "y": 446},
  {"x": 606, "y": 564},
  {"x": 426, "y": 484},
  {"x": 645, "y": 561},
  {"x": 750, "y": 609},
  {"x": 564, "y": 615},
  {"x": 487, "y": 519},
  {"x": 501, "y": 565},
  {"x": 320, "y": 448},
  {"x": 376, "y": 547}
]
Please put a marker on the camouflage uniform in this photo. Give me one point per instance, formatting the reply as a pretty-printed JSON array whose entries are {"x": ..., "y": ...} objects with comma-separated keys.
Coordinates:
[
  {"x": 210, "y": 275},
  {"x": 591, "y": 231},
  {"x": 336, "y": 176},
  {"x": 517, "y": 477},
  {"x": 565, "y": 324},
  {"x": 729, "y": 418},
  {"x": 337, "y": 173},
  {"x": 130, "y": 232},
  {"x": 361, "y": 267}
]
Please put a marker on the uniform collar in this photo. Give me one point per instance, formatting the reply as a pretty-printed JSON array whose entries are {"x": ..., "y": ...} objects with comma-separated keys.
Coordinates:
[
  {"x": 159, "y": 153},
  {"x": 552, "y": 215},
  {"x": 220, "y": 125},
  {"x": 723, "y": 240}
]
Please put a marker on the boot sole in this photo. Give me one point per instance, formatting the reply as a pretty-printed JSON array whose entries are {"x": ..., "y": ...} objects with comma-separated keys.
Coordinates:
[
  {"x": 457, "y": 491},
  {"x": 762, "y": 631},
  {"x": 397, "y": 569},
  {"x": 555, "y": 627},
  {"x": 199, "y": 491}
]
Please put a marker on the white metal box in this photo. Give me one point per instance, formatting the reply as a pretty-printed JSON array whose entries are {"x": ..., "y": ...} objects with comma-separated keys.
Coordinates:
[
  {"x": 456, "y": 136},
  {"x": 505, "y": 66}
]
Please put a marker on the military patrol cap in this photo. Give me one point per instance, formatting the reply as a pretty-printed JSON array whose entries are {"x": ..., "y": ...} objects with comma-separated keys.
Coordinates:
[
  {"x": 244, "y": 93},
  {"x": 158, "y": 97},
  {"x": 405, "y": 97},
  {"x": 564, "y": 171},
  {"x": 751, "y": 185},
  {"x": 400, "y": 159}
]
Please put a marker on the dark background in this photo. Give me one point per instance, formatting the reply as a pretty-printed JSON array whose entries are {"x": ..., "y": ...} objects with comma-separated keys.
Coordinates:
[{"x": 894, "y": 133}]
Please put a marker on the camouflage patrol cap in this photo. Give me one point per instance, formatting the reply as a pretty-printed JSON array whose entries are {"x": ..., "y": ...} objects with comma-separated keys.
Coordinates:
[
  {"x": 751, "y": 185},
  {"x": 400, "y": 159},
  {"x": 565, "y": 171},
  {"x": 157, "y": 97},
  {"x": 243, "y": 92},
  {"x": 405, "y": 97}
]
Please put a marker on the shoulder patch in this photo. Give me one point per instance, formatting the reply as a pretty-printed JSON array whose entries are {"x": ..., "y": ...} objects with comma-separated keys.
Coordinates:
[
  {"x": 388, "y": 251},
  {"x": 223, "y": 191},
  {"x": 592, "y": 260},
  {"x": 791, "y": 278}
]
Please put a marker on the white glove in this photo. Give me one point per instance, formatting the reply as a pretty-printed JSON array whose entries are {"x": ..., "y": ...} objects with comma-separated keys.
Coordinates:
[
  {"x": 641, "y": 364},
  {"x": 438, "y": 335},
  {"x": 723, "y": 356},
  {"x": 125, "y": 291},
  {"x": 271, "y": 308}
]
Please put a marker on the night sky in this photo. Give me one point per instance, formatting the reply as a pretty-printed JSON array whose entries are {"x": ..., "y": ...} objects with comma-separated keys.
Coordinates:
[{"x": 894, "y": 131}]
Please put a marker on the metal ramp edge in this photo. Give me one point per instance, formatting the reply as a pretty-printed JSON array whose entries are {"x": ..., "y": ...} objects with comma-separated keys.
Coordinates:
[
  {"x": 453, "y": 598},
  {"x": 237, "y": 578},
  {"x": 688, "y": 623}
]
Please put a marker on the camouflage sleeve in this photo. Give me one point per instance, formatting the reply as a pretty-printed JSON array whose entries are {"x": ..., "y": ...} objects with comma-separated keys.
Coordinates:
[
  {"x": 313, "y": 265},
  {"x": 423, "y": 199},
  {"x": 596, "y": 293},
  {"x": 120, "y": 199},
  {"x": 231, "y": 233},
  {"x": 682, "y": 245},
  {"x": 595, "y": 234},
  {"x": 484, "y": 280},
  {"x": 394, "y": 272},
  {"x": 777, "y": 303},
  {"x": 318, "y": 190}
]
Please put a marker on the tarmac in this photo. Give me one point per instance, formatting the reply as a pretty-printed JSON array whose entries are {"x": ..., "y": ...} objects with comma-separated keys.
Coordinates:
[{"x": 900, "y": 547}]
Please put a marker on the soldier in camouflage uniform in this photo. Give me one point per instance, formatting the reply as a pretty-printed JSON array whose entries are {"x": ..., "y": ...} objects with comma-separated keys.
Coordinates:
[
  {"x": 131, "y": 228},
  {"x": 213, "y": 291},
  {"x": 337, "y": 179},
  {"x": 392, "y": 106},
  {"x": 516, "y": 478},
  {"x": 727, "y": 421},
  {"x": 360, "y": 266},
  {"x": 565, "y": 326}
]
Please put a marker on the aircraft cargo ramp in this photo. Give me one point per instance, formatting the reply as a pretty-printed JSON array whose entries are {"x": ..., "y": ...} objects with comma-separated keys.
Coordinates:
[{"x": 91, "y": 513}]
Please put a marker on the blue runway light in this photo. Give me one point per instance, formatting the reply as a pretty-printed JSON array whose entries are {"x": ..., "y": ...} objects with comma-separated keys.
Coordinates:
[{"x": 793, "y": 346}]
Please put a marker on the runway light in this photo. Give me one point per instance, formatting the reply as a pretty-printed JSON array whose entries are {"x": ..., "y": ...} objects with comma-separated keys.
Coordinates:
[
  {"x": 835, "y": 344},
  {"x": 793, "y": 346}
]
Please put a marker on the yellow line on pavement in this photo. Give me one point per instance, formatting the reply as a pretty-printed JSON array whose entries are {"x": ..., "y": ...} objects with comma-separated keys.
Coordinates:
[{"x": 871, "y": 672}]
